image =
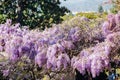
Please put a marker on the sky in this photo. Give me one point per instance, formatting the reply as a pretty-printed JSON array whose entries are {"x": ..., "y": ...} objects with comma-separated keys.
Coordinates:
[{"x": 84, "y": 5}]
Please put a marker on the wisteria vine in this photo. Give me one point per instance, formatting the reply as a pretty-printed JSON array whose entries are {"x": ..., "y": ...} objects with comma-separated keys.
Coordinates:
[{"x": 59, "y": 48}]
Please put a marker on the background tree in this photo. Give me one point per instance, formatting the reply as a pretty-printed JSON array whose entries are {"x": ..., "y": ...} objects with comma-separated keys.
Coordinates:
[
  {"x": 35, "y": 13},
  {"x": 100, "y": 9}
]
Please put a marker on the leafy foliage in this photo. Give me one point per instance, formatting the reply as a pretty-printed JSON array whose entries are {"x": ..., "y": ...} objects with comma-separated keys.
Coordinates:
[
  {"x": 100, "y": 9},
  {"x": 2, "y": 18},
  {"x": 116, "y": 6},
  {"x": 91, "y": 15},
  {"x": 35, "y": 13}
]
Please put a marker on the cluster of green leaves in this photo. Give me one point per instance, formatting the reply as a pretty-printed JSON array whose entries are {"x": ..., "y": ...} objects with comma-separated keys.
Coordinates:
[
  {"x": 116, "y": 6},
  {"x": 100, "y": 9},
  {"x": 2, "y": 18},
  {"x": 90, "y": 15},
  {"x": 35, "y": 13}
]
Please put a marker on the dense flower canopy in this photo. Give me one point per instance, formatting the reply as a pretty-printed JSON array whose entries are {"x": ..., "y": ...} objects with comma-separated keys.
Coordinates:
[{"x": 59, "y": 48}]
